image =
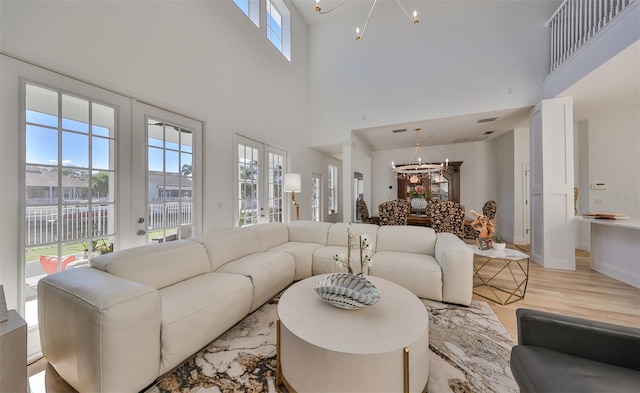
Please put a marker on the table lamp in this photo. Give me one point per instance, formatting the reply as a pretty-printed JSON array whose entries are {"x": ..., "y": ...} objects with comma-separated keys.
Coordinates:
[{"x": 293, "y": 184}]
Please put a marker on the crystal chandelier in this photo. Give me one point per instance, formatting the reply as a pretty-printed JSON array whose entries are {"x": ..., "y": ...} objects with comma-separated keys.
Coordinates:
[
  {"x": 416, "y": 170},
  {"x": 414, "y": 19}
]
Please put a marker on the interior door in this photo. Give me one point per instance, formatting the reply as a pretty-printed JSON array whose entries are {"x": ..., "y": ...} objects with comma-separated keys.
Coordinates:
[{"x": 166, "y": 180}]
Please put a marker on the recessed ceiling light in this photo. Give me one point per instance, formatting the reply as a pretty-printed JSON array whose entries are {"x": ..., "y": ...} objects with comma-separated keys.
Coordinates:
[{"x": 487, "y": 120}]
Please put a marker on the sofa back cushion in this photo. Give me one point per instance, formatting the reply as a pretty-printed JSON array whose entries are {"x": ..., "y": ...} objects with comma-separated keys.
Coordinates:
[
  {"x": 411, "y": 239},
  {"x": 227, "y": 245},
  {"x": 338, "y": 233},
  {"x": 271, "y": 235},
  {"x": 309, "y": 232},
  {"x": 157, "y": 265}
]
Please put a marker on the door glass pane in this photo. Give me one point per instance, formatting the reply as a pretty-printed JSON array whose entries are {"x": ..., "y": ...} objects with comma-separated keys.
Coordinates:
[
  {"x": 69, "y": 185},
  {"x": 315, "y": 197},
  {"x": 169, "y": 174},
  {"x": 75, "y": 149},
  {"x": 276, "y": 167},
  {"x": 248, "y": 181}
]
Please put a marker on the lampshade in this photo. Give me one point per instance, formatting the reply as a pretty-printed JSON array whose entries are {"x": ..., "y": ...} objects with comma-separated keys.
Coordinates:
[{"x": 292, "y": 182}]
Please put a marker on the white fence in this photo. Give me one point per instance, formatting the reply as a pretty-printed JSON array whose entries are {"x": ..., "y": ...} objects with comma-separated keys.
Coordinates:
[
  {"x": 42, "y": 224},
  {"x": 576, "y": 21}
]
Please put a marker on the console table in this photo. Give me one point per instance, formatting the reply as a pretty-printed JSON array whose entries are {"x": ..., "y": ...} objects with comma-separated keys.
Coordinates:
[
  {"x": 381, "y": 348},
  {"x": 13, "y": 354},
  {"x": 615, "y": 246}
]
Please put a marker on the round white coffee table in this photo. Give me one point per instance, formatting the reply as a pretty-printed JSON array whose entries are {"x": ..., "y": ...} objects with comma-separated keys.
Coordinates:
[{"x": 381, "y": 348}]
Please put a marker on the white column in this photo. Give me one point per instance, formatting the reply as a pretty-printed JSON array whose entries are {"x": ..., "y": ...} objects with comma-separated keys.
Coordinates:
[{"x": 552, "y": 216}]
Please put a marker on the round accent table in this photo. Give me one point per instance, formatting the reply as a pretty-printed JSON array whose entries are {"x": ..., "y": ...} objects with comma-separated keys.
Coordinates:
[{"x": 381, "y": 348}]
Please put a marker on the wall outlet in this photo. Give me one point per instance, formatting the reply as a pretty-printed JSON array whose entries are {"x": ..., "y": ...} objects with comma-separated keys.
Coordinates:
[{"x": 598, "y": 201}]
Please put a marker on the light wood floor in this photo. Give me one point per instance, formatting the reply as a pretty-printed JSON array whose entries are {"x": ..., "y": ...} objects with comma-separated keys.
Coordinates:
[{"x": 583, "y": 293}]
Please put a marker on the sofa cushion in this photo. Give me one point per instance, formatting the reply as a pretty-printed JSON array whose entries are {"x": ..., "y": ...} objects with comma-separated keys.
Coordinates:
[
  {"x": 410, "y": 239},
  {"x": 270, "y": 273},
  {"x": 538, "y": 369},
  {"x": 338, "y": 233},
  {"x": 324, "y": 262},
  {"x": 302, "y": 254},
  {"x": 196, "y": 311},
  {"x": 419, "y": 273},
  {"x": 309, "y": 232},
  {"x": 228, "y": 245},
  {"x": 157, "y": 265},
  {"x": 271, "y": 235}
]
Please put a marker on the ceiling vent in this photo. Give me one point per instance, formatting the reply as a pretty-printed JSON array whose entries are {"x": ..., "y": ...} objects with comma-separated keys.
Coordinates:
[
  {"x": 487, "y": 120},
  {"x": 400, "y": 130},
  {"x": 474, "y": 139}
]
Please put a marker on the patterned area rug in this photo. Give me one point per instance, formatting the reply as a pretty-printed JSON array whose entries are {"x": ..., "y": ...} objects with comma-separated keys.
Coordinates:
[{"x": 469, "y": 352}]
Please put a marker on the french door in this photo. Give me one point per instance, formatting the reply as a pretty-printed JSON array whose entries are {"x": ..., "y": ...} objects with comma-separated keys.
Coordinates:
[
  {"x": 83, "y": 166},
  {"x": 72, "y": 139},
  {"x": 170, "y": 161},
  {"x": 260, "y": 179}
]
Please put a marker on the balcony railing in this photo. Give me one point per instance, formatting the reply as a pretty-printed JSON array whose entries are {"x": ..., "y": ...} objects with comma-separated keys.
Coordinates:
[
  {"x": 577, "y": 21},
  {"x": 42, "y": 226}
]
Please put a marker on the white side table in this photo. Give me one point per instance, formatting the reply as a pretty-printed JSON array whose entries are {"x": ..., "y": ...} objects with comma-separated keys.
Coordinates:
[
  {"x": 500, "y": 272},
  {"x": 13, "y": 354}
]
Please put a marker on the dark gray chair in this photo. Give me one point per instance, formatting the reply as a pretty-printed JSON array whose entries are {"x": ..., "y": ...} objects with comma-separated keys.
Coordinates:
[{"x": 558, "y": 353}]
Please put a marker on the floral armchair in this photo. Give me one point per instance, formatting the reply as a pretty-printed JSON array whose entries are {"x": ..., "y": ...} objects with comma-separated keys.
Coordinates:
[
  {"x": 447, "y": 216},
  {"x": 364, "y": 212},
  {"x": 488, "y": 210},
  {"x": 394, "y": 212}
]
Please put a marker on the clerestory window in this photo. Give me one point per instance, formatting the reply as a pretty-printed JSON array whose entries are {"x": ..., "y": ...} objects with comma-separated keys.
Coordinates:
[
  {"x": 251, "y": 9},
  {"x": 279, "y": 26}
]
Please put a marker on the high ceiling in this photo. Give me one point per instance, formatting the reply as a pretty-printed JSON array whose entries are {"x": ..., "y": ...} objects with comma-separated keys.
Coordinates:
[{"x": 615, "y": 82}]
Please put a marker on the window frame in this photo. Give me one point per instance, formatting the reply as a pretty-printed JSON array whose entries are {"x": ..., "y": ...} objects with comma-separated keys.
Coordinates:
[
  {"x": 285, "y": 27},
  {"x": 252, "y": 12}
]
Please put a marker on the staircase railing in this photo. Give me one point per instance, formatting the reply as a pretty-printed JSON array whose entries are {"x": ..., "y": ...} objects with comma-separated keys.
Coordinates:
[{"x": 577, "y": 21}]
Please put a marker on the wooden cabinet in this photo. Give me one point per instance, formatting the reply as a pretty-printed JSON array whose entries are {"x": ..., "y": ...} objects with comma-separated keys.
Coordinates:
[{"x": 447, "y": 188}]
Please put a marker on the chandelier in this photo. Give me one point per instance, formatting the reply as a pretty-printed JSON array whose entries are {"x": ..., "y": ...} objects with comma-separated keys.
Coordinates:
[
  {"x": 416, "y": 170},
  {"x": 414, "y": 19}
]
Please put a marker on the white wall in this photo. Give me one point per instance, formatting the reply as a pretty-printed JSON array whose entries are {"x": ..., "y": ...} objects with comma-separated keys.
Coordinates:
[
  {"x": 202, "y": 59},
  {"x": 614, "y": 159},
  {"x": 461, "y": 58},
  {"x": 477, "y": 180}
]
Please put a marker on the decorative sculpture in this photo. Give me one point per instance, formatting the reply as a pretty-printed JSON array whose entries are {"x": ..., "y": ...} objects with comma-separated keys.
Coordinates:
[{"x": 485, "y": 226}]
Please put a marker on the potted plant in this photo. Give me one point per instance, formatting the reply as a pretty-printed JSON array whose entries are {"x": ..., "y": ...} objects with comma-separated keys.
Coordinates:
[{"x": 498, "y": 243}]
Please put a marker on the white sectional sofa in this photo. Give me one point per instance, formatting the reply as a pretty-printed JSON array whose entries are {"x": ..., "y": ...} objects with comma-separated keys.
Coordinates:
[{"x": 136, "y": 314}]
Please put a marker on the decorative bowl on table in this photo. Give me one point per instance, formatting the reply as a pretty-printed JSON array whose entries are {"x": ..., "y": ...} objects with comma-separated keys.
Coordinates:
[{"x": 347, "y": 291}]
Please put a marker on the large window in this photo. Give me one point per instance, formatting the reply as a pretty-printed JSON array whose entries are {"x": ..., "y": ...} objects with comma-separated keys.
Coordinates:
[
  {"x": 259, "y": 171},
  {"x": 333, "y": 189},
  {"x": 69, "y": 178},
  {"x": 279, "y": 26}
]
